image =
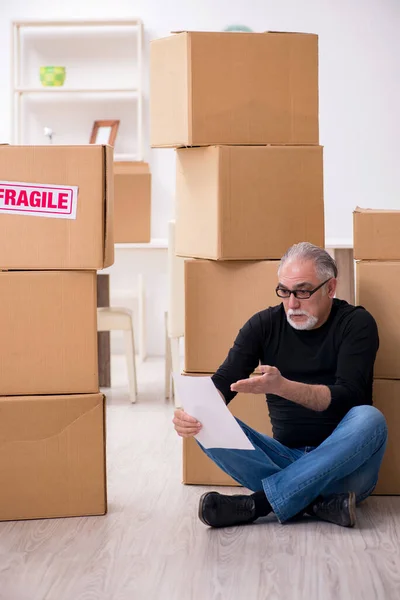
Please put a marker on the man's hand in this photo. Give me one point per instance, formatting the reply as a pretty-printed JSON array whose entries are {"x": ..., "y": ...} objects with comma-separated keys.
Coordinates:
[
  {"x": 315, "y": 397},
  {"x": 185, "y": 425},
  {"x": 268, "y": 383}
]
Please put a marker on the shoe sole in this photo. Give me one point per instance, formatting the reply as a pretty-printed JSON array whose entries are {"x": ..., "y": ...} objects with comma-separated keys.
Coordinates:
[
  {"x": 201, "y": 502},
  {"x": 352, "y": 508}
]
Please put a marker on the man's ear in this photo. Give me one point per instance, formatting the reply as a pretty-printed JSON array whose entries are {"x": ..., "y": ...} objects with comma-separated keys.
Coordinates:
[{"x": 332, "y": 284}]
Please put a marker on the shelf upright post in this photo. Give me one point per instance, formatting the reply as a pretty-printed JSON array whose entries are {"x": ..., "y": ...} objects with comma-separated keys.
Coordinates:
[{"x": 140, "y": 92}]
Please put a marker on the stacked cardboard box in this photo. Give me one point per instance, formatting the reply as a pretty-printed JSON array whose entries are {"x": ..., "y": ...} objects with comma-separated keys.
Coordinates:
[
  {"x": 377, "y": 252},
  {"x": 132, "y": 202},
  {"x": 56, "y": 211},
  {"x": 242, "y": 111}
]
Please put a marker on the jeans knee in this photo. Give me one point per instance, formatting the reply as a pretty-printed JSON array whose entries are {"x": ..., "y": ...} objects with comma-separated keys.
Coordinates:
[{"x": 370, "y": 418}]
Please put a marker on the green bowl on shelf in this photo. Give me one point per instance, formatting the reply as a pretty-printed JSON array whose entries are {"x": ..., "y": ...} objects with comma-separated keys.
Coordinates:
[
  {"x": 239, "y": 28},
  {"x": 52, "y": 76}
]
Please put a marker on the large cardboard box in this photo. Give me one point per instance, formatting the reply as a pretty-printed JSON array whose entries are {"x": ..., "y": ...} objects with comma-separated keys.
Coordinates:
[
  {"x": 386, "y": 397},
  {"x": 248, "y": 202},
  {"x": 198, "y": 469},
  {"x": 48, "y": 324},
  {"x": 229, "y": 88},
  {"x": 52, "y": 456},
  {"x": 219, "y": 298},
  {"x": 377, "y": 289},
  {"x": 132, "y": 202},
  {"x": 376, "y": 234},
  {"x": 43, "y": 226}
]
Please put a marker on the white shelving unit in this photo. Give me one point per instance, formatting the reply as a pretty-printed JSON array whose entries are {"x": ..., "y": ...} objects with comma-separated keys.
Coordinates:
[{"x": 103, "y": 60}]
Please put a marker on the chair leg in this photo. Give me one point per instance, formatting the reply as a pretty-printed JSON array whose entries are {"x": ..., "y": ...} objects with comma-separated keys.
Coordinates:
[
  {"x": 176, "y": 363},
  {"x": 168, "y": 365},
  {"x": 142, "y": 318},
  {"x": 130, "y": 359}
]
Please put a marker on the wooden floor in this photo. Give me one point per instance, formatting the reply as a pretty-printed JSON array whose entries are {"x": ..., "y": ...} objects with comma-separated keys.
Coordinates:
[{"x": 151, "y": 545}]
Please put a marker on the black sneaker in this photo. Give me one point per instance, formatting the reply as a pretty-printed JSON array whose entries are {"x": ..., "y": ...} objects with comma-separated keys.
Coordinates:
[
  {"x": 219, "y": 510},
  {"x": 339, "y": 509}
]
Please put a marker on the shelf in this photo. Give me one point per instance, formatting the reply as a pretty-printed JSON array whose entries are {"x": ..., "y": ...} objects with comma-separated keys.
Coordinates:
[
  {"x": 62, "y": 90},
  {"x": 32, "y": 102},
  {"x": 155, "y": 244},
  {"x": 339, "y": 243},
  {"x": 119, "y": 157},
  {"x": 79, "y": 23}
]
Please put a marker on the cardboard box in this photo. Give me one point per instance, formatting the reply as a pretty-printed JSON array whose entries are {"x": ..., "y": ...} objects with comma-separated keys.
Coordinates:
[
  {"x": 219, "y": 298},
  {"x": 386, "y": 397},
  {"x": 228, "y": 88},
  {"x": 132, "y": 202},
  {"x": 198, "y": 468},
  {"x": 52, "y": 457},
  {"x": 248, "y": 202},
  {"x": 376, "y": 234},
  {"x": 48, "y": 324},
  {"x": 377, "y": 289},
  {"x": 39, "y": 228}
]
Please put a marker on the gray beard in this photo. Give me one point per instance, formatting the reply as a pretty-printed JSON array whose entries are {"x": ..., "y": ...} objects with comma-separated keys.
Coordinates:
[{"x": 305, "y": 326}]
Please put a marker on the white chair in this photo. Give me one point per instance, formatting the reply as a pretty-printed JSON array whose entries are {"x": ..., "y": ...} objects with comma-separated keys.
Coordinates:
[
  {"x": 175, "y": 315},
  {"x": 134, "y": 300},
  {"x": 120, "y": 319}
]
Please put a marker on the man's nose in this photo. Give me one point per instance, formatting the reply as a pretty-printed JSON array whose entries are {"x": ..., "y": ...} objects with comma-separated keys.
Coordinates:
[{"x": 293, "y": 301}]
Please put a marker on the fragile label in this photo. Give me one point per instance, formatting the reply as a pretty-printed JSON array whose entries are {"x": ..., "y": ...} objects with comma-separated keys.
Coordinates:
[{"x": 38, "y": 199}]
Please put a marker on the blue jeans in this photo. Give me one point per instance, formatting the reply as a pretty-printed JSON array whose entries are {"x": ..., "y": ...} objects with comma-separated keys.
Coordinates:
[{"x": 292, "y": 478}]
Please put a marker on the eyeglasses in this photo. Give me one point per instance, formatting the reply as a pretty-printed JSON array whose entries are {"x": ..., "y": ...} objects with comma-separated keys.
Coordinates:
[{"x": 299, "y": 294}]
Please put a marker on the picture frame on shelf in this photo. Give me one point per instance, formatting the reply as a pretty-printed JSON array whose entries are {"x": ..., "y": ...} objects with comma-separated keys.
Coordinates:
[{"x": 104, "y": 132}]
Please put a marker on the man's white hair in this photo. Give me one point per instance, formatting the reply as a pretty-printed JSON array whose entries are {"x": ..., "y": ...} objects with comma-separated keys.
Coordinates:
[{"x": 325, "y": 266}]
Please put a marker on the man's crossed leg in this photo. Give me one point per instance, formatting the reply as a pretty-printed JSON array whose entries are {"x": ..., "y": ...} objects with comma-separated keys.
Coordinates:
[{"x": 327, "y": 481}]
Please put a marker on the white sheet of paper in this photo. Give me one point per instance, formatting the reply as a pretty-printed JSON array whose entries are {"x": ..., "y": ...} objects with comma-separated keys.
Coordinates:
[{"x": 200, "y": 399}]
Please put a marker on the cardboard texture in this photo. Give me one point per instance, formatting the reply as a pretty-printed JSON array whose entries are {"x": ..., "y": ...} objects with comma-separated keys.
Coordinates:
[
  {"x": 48, "y": 325},
  {"x": 219, "y": 298},
  {"x": 34, "y": 242},
  {"x": 227, "y": 88},
  {"x": 386, "y": 397},
  {"x": 376, "y": 234},
  {"x": 248, "y": 202},
  {"x": 198, "y": 468},
  {"x": 377, "y": 289},
  {"x": 132, "y": 202},
  {"x": 52, "y": 457}
]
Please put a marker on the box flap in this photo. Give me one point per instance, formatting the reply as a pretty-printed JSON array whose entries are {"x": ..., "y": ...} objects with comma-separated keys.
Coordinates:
[
  {"x": 376, "y": 210},
  {"x": 18, "y": 427},
  {"x": 205, "y": 32},
  {"x": 131, "y": 168},
  {"x": 108, "y": 258},
  {"x": 169, "y": 36},
  {"x": 245, "y": 32},
  {"x": 52, "y": 456},
  {"x": 290, "y": 32}
]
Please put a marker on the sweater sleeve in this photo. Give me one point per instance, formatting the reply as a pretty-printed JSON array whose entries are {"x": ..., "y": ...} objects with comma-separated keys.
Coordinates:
[
  {"x": 355, "y": 361},
  {"x": 243, "y": 357}
]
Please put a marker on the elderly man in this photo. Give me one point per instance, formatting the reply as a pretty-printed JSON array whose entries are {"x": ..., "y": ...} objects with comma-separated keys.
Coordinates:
[{"x": 317, "y": 355}]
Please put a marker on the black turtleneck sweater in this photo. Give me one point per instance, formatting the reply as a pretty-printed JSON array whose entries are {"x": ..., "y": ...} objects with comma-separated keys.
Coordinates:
[{"x": 340, "y": 354}]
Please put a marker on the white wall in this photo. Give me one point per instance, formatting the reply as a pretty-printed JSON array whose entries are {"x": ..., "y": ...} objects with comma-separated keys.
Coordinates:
[{"x": 359, "y": 89}]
